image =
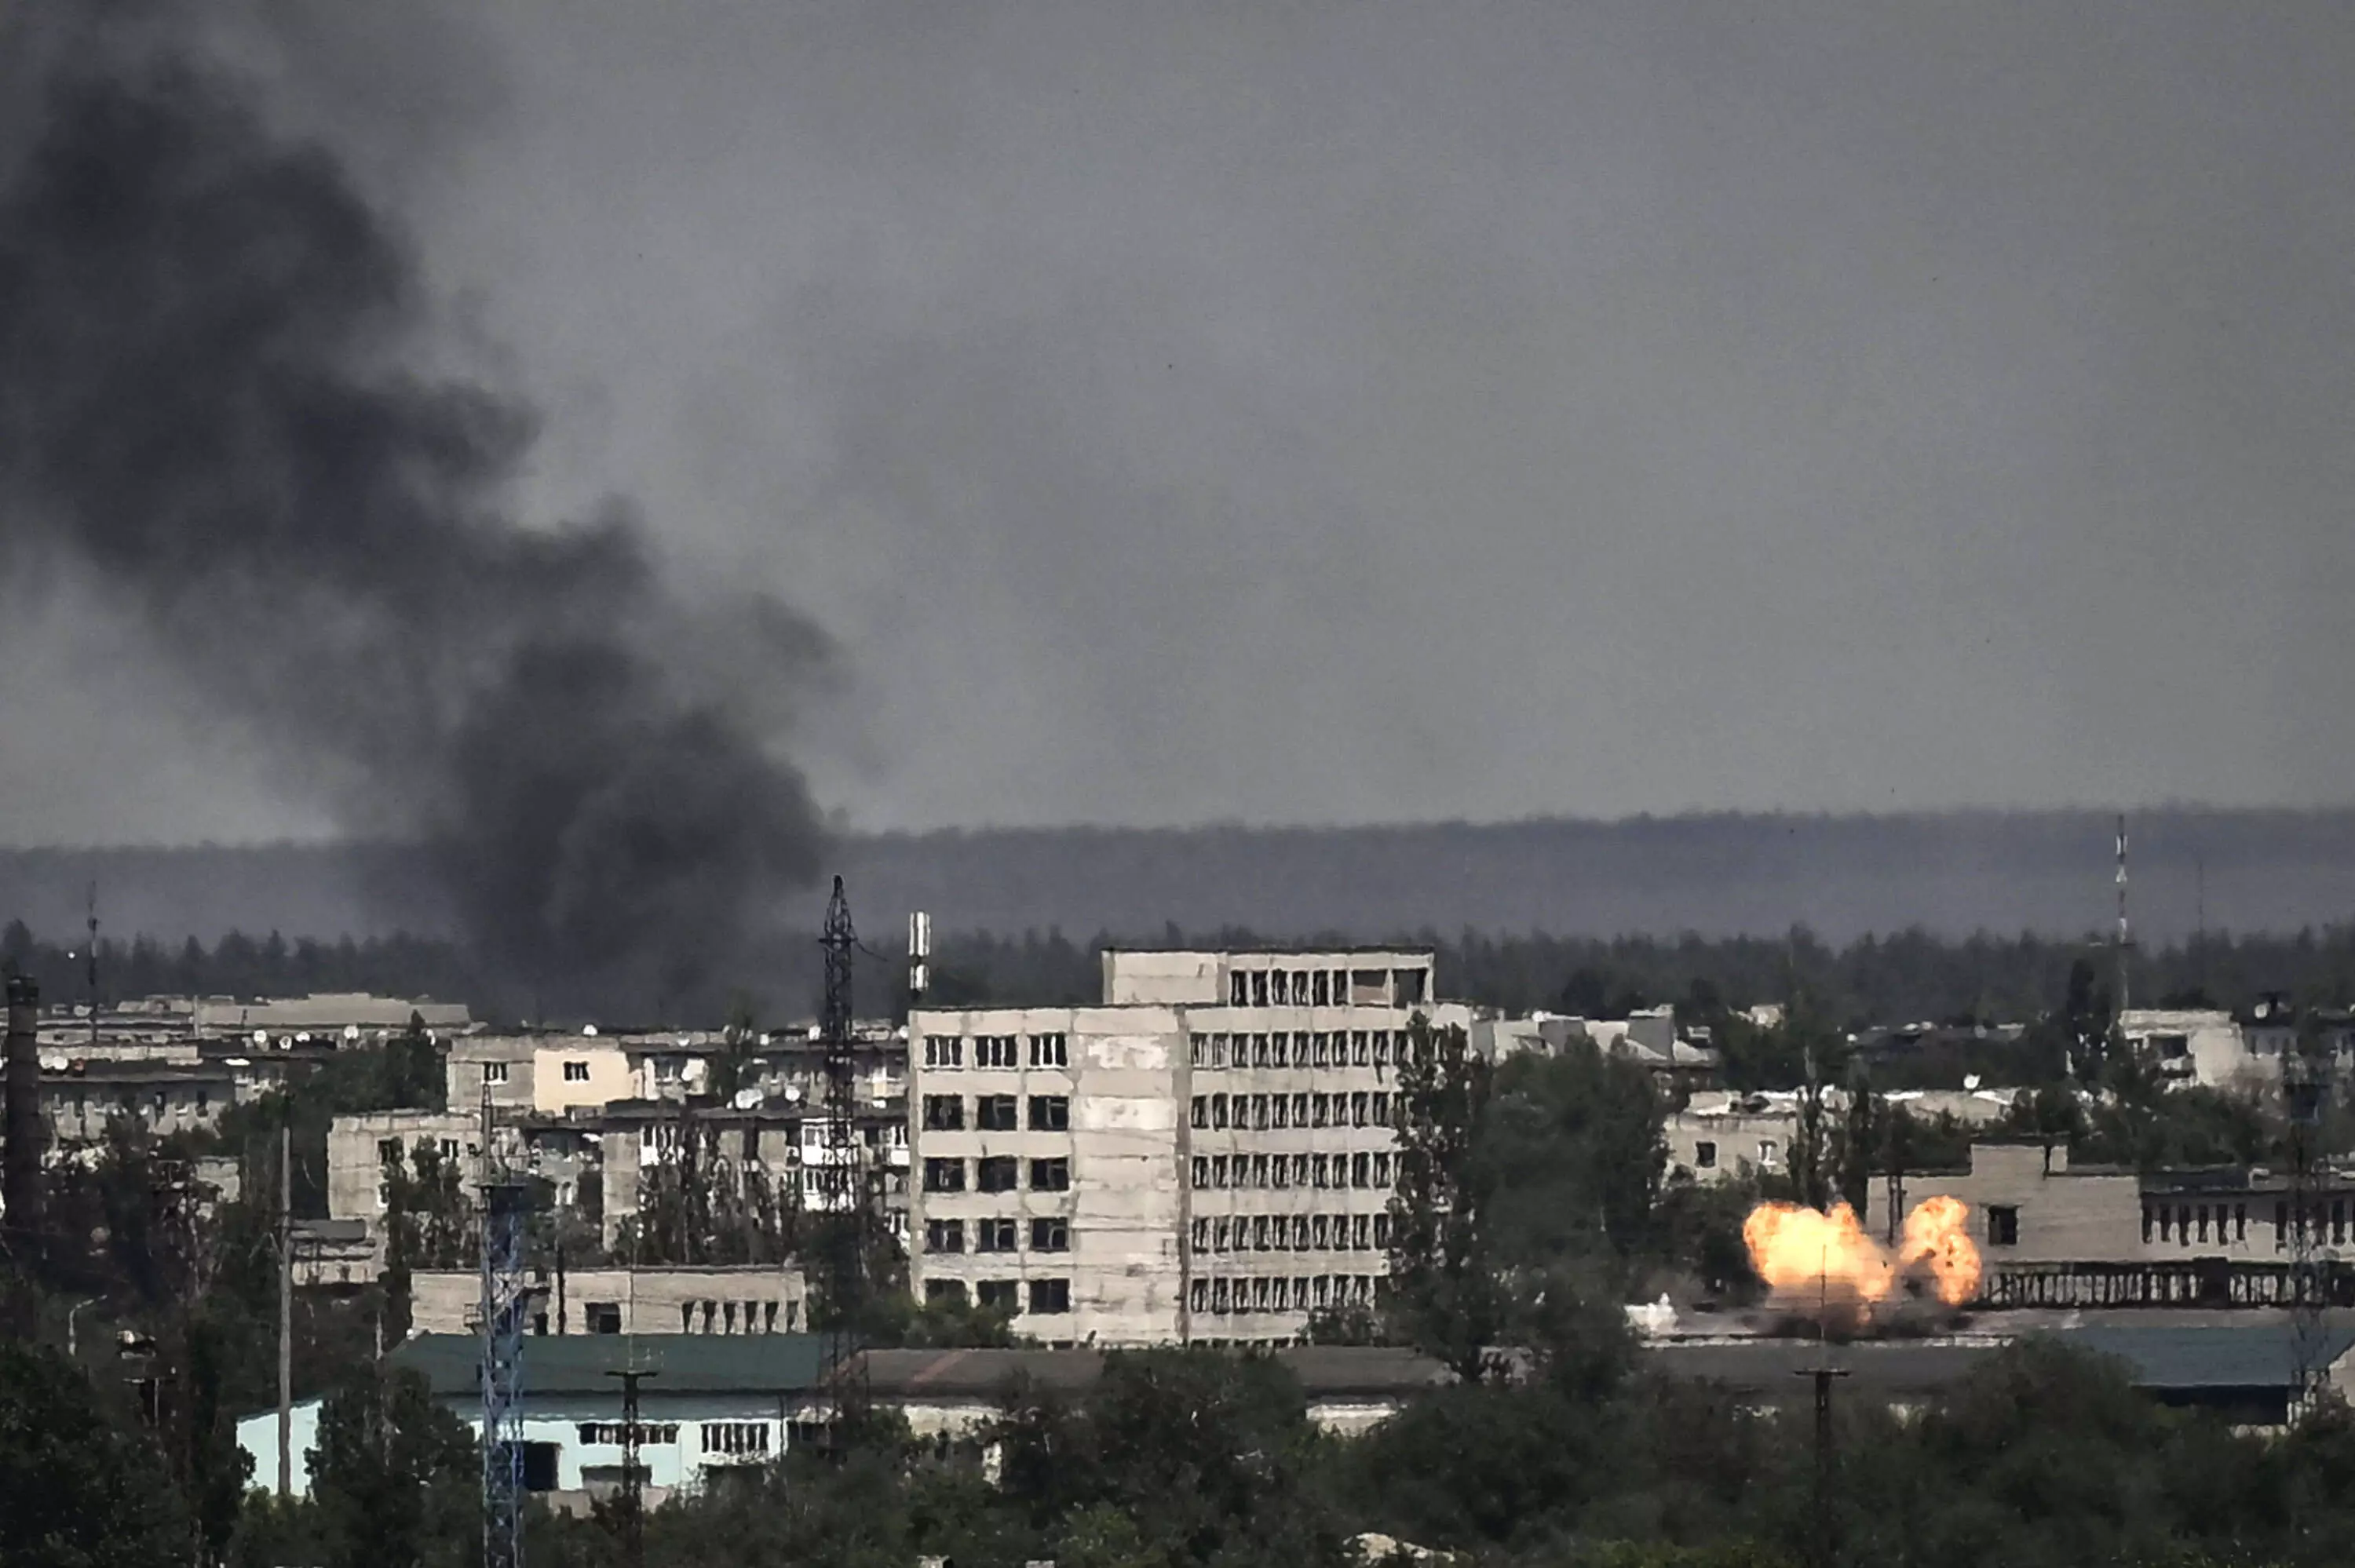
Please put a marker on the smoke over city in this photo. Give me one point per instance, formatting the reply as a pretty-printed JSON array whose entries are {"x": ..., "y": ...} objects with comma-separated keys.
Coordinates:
[{"x": 219, "y": 404}]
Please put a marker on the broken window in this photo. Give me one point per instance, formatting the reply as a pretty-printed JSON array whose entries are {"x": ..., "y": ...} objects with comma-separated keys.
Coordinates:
[
  {"x": 1218, "y": 1170},
  {"x": 1280, "y": 1111},
  {"x": 1360, "y": 1169},
  {"x": 1201, "y": 1173},
  {"x": 1300, "y": 1171},
  {"x": 944, "y": 1113},
  {"x": 1358, "y": 1110},
  {"x": 1050, "y": 1175},
  {"x": 1050, "y": 1233},
  {"x": 1218, "y": 1110},
  {"x": 1705, "y": 1159},
  {"x": 1199, "y": 1111},
  {"x": 1218, "y": 1050},
  {"x": 945, "y": 1235},
  {"x": 1321, "y": 1047},
  {"x": 1320, "y": 1108},
  {"x": 1200, "y": 1050},
  {"x": 1381, "y": 1231},
  {"x": 2003, "y": 1225},
  {"x": 993, "y": 1234},
  {"x": 995, "y": 1113},
  {"x": 1382, "y": 1170},
  {"x": 604, "y": 1317},
  {"x": 996, "y": 1173},
  {"x": 1198, "y": 1295},
  {"x": 1407, "y": 987},
  {"x": 1000, "y": 1295},
  {"x": 1259, "y": 1170},
  {"x": 1259, "y": 988},
  {"x": 1279, "y": 987},
  {"x": 1259, "y": 1232},
  {"x": 1050, "y": 1113},
  {"x": 1381, "y": 1047},
  {"x": 944, "y": 1175},
  {"x": 1322, "y": 989},
  {"x": 945, "y": 1290},
  {"x": 1051, "y": 1296},
  {"x": 1300, "y": 988},
  {"x": 1320, "y": 1232}
]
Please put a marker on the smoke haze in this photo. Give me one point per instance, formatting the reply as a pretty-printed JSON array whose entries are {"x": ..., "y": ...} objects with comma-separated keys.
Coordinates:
[{"x": 225, "y": 409}]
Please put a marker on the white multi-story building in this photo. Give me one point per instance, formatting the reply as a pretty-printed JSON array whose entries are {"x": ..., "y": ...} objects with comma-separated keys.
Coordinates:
[{"x": 1207, "y": 1156}]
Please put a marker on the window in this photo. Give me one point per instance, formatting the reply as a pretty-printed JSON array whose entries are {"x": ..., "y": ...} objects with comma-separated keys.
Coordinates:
[
  {"x": 1259, "y": 988},
  {"x": 1049, "y": 1051},
  {"x": 1201, "y": 1235},
  {"x": 1704, "y": 1156},
  {"x": 1320, "y": 1232},
  {"x": 1198, "y": 1296},
  {"x": 943, "y": 1050},
  {"x": 604, "y": 1317},
  {"x": 945, "y": 1235},
  {"x": 1358, "y": 1110},
  {"x": 1321, "y": 988},
  {"x": 944, "y": 1175},
  {"x": 1381, "y": 1047},
  {"x": 617, "y": 1433},
  {"x": 387, "y": 1150},
  {"x": 1199, "y": 1113},
  {"x": 995, "y": 1113},
  {"x": 944, "y": 1113},
  {"x": 1321, "y": 1109},
  {"x": 1000, "y": 1295},
  {"x": 993, "y": 1051},
  {"x": 1382, "y": 1170},
  {"x": 997, "y": 1174},
  {"x": 576, "y": 1072},
  {"x": 1765, "y": 1152},
  {"x": 1218, "y": 1170},
  {"x": 1381, "y": 1231},
  {"x": 992, "y": 1235},
  {"x": 945, "y": 1290},
  {"x": 1218, "y": 1110},
  {"x": 1361, "y": 1170},
  {"x": 494, "y": 1072},
  {"x": 1050, "y": 1234},
  {"x": 1407, "y": 986},
  {"x": 1281, "y": 1105},
  {"x": 1238, "y": 989},
  {"x": 449, "y": 1149},
  {"x": 1258, "y": 1170},
  {"x": 1050, "y": 1113},
  {"x": 1201, "y": 1173},
  {"x": 736, "y": 1437},
  {"x": 2003, "y": 1226},
  {"x": 1323, "y": 1046},
  {"x": 1218, "y": 1050}
]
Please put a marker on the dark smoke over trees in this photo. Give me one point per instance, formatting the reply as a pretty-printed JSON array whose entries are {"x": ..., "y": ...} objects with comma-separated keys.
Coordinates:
[{"x": 215, "y": 406}]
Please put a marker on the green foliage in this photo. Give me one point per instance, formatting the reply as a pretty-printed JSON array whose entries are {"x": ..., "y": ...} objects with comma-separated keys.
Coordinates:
[
  {"x": 395, "y": 1477},
  {"x": 75, "y": 1490}
]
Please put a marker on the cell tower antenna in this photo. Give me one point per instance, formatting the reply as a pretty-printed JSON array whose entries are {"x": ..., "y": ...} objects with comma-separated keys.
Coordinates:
[
  {"x": 506, "y": 1199},
  {"x": 2124, "y": 941},
  {"x": 92, "y": 923},
  {"x": 844, "y": 1183}
]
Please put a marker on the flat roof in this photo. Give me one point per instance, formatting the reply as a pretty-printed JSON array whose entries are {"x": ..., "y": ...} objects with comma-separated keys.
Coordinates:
[{"x": 579, "y": 1363}]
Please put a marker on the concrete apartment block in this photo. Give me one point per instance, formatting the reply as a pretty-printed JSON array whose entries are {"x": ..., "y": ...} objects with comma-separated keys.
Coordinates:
[{"x": 1206, "y": 1156}]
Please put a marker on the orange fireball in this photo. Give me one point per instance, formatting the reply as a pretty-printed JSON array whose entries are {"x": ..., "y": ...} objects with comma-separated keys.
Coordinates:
[{"x": 1801, "y": 1252}]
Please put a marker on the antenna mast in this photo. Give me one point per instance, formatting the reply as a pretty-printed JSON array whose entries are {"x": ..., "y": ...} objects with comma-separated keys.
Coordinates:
[
  {"x": 506, "y": 1200},
  {"x": 2125, "y": 937},
  {"x": 92, "y": 923},
  {"x": 845, "y": 1186}
]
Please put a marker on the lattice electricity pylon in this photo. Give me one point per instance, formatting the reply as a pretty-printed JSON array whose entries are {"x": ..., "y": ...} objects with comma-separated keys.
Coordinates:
[
  {"x": 847, "y": 1197},
  {"x": 505, "y": 1204},
  {"x": 2305, "y": 1093}
]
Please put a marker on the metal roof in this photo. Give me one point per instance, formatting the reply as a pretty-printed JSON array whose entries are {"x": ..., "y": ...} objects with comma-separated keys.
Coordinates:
[
  {"x": 579, "y": 1363},
  {"x": 2258, "y": 1355},
  {"x": 1323, "y": 1371}
]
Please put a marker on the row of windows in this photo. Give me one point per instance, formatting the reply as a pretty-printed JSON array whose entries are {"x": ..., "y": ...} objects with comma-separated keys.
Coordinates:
[
  {"x": 2188, "y": 1224},
  {"x": 1005, "y": 1295},
  {"x": 736, "y": 1437},
  {"x": 1324, "y": 987},
  {"x": 1048, "y": 1233},
  {"x": 1340, "y": 1048},
  {"x": 996, "y": 1050},
  {"x": 996, "y": 1173},
  {"x": 197, "y": 1102},
  {"x": 1262, "y": 1112},
  {"x": 1279, "y": 1293},
  {"x": 1293, "y": 1233},
  {"x": 1274, "y": 1170},
  {"x": 617, "y": 1433},
  {"x": 995, "y": 1113}
]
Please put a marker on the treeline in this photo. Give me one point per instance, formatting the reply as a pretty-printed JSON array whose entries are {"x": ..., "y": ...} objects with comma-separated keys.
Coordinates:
[{"x": 1908, "y": 976}]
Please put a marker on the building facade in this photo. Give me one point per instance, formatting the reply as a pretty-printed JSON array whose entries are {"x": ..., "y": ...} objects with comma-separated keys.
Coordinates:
[{"x": 1207, "y": 1156}]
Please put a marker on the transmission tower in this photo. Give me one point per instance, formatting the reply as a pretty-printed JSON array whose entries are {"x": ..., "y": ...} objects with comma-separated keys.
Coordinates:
[
  {"x": 843, "y": 1182},
  {"x": 2305, "y": 1089},
  {"x": 507, "y": 1203}
]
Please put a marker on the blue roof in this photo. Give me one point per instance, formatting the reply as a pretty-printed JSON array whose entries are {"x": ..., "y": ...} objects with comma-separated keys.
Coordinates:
[{"x": 2252, "y": 1355}]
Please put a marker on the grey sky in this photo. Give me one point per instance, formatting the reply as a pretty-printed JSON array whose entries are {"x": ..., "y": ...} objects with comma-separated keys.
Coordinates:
[{"x": 1333, "y": 412}]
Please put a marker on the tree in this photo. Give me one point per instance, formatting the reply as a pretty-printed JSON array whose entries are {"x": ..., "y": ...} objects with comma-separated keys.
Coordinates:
[
  {"x": 1444, "y": 1299},
  {"x": 394, "y": 1475},
  {"x": 76, "y": 1492}
]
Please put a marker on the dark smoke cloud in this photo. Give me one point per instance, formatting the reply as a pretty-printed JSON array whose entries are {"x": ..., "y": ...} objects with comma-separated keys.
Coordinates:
[{"x": 214, "y": 405}]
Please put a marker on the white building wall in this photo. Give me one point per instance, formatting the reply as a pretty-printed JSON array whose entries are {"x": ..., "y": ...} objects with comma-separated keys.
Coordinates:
[{"x": 1173, "y": 1228}]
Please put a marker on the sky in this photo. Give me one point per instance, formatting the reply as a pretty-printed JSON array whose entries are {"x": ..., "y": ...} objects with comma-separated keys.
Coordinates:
[{"x": 1333, "y": 413}]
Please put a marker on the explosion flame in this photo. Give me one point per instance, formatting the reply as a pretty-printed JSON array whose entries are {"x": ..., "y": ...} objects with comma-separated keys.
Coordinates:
[{"x": 1799, "y": 1250}]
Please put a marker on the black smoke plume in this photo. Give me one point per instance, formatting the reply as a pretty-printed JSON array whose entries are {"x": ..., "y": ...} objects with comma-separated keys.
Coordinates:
[{"x": 213, "y": 406}]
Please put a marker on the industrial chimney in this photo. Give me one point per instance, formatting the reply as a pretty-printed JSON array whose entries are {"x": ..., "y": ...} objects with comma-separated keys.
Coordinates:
[{"x": 21, "y": 1166}]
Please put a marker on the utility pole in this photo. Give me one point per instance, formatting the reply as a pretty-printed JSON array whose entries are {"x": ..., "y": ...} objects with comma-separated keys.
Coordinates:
[
  {"x": 633, "y": 1497},
  {"x": 286, "y": 1306}
]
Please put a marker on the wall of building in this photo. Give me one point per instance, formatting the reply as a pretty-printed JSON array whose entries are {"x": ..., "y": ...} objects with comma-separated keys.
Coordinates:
[
  {"x": 718, "y": 1301},
  {"x": 580, "y": 1072},
  {"x": 357, "y": 1149},
  {"x": 2063, "y": 1215},
  {"x": 1185, "y": 1145},
  {"x": 1726, "y": 1144}
]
